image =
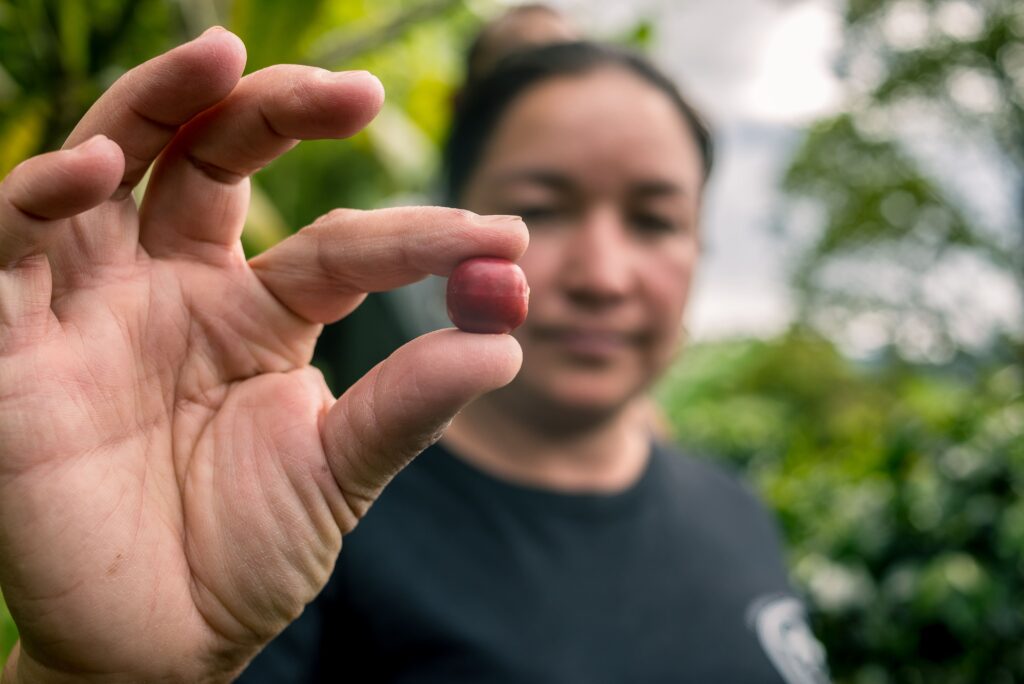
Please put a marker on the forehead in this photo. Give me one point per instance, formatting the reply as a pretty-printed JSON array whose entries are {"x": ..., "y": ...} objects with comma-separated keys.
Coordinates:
[{"x": 607, "y": 125}]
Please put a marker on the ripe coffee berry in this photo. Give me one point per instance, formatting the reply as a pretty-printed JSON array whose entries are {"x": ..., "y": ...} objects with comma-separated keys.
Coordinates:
[{"x": 487, "y": 295}]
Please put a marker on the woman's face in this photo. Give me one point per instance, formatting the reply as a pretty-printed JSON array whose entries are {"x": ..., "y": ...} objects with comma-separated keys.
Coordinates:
[{"x": 608, "y": 177}]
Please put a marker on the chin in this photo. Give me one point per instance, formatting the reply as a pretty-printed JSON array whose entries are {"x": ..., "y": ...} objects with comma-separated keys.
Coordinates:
[
  {"x": 590, "y": 399},
  {"x": 569, "y": 405}
]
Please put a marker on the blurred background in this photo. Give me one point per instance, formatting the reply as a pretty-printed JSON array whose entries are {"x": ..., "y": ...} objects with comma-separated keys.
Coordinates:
[{"x": 857, "y": 332}]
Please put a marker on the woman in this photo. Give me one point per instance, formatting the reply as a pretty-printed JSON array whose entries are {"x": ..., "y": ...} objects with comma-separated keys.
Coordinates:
[{"x": 547, "y": 537}]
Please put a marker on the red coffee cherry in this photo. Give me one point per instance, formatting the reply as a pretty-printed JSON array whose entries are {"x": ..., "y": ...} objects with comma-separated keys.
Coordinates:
[{"x": 487, "y": 295}]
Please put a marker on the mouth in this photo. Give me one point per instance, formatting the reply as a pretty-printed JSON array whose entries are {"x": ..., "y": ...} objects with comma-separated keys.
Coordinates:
[{"x": 591, "y": 343}]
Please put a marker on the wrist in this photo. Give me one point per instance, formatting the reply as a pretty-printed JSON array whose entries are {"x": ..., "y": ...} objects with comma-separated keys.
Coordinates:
[{"x": 22, "y": 669}]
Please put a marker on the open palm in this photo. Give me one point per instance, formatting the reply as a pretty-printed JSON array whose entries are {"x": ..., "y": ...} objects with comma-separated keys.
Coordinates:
[{"x": 175, "y": 479}]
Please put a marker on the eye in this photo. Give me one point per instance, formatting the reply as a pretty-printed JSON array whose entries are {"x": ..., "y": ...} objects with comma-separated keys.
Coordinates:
[
  {"x": 535, "y": 214},
  {"x": 650, "y": 222}
]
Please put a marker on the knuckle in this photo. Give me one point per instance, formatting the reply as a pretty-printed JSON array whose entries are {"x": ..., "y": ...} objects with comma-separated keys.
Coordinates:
[{"x": 335, "y": 218}]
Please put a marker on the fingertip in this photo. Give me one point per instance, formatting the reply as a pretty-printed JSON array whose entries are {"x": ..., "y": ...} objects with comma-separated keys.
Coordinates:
[
  {"x": 361, "y": 97},
  {"x": 493, "y": 360},
  {"x": 452, "y": 367},
  {"x": 403, "y": 404},
  {"x": 216, "y": 28},
  {"x": 510, "y": 357},
  {"x": 99, "y": 163},
  {"x": 225, "y": 52},
  {"x": 105, "y": 154},
  {"x": 510, "y": 230},
  {"x": 375, "y": 87},
  {"x": 365, "y": 81},
  {"x": 68, "y": 182},
  {"x": 231, "y": 46},
  {"x": 505, "y": 237},
  {"x": 219, "y": 35}
]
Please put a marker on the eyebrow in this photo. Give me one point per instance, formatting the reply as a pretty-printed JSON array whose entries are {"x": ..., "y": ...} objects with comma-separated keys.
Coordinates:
[
  {"x": 657, "y": 187},
  {"x": 550, "y": 179},
  {"x": 556, "y": 180}
]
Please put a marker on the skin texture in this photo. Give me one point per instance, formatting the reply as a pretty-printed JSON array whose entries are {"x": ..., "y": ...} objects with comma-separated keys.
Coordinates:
[
  {"x": 487, "y": 295},
  {"x": 608, "y": 178},
  {"x": 175, "y": 478}
]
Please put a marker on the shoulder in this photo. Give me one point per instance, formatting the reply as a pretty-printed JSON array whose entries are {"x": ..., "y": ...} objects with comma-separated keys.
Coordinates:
[
  {"x": 698, "y": 488},
  {"x": 705, "y": 478}
]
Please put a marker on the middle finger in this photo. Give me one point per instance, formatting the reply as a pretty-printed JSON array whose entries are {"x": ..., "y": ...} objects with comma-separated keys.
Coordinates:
[{"x": 198, "y": 194}]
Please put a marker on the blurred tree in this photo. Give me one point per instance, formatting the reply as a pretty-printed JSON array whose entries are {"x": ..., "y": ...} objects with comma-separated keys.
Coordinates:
[
  {"x": 900, "y": 483},
  {"x": 905, "y": 255},
  {"x": 900, "y": 488},
  {"x": 58, "y": 56}
]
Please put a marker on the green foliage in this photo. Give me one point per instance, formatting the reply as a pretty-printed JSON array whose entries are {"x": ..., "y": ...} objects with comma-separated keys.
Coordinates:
[
  {"x": 887, "y": 233},
  {"x": 872, "y": 191},
  {"x": 57, "y": 57},
  {"x": 640, "y": 36},
  {"x": 889, "y": 229},
  {"x": 899, "y": 487},
  {"x": 8, "y": 633},
  {"x": 900, "y": 490}
]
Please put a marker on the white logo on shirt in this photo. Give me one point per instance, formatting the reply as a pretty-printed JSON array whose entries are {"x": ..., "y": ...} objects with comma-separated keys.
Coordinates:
[{"x": 782, "y": 629}]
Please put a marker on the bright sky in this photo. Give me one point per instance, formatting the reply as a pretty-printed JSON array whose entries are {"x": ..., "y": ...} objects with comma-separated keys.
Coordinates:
[
  {"x": 751, "y": 59},
  {"x": 791, "y": 81}
]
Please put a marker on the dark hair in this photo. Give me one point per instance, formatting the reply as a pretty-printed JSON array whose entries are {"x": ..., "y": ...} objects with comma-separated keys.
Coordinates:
[
  {"x": 486, "y": 100},
  {"x": 511, "y": 33}
]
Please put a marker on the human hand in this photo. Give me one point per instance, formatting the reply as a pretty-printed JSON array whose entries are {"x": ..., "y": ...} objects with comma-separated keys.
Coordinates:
[{"x": 175, "y": 478}]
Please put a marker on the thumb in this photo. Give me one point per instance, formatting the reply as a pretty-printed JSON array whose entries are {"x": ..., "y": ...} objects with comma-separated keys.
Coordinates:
[{"x": 404, "y": 404}]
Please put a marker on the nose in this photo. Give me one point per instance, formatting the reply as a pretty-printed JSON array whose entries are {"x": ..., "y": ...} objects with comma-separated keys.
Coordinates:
[{"x": 598, "y": 268}]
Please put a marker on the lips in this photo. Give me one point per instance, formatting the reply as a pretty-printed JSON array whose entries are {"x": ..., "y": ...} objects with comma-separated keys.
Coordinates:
[{"x": 588, "y": 342}]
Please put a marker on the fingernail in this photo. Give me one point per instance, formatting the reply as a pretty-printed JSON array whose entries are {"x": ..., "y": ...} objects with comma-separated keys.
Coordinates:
[
  {"x": 498, "y": 219},
  {"x": 341, "y": 76},
  {"x": 92, "y": 143},
  {"x": 213, "y": 29}
]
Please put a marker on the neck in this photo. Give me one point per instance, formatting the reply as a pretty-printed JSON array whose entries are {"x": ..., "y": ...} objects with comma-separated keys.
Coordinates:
[{"x": 606, "y": 456}]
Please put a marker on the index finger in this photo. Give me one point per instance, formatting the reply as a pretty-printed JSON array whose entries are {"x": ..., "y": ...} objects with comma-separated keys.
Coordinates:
[
  {"x": 144, "y": 108},
  {"x": 322, "y": 272}
]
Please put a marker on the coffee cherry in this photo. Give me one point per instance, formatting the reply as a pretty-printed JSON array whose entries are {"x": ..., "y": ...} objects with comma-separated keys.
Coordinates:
[{"x": 487, "y": 295}]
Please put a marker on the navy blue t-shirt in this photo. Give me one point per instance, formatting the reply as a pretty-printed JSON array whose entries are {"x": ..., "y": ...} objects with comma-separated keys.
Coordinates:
[{"x": 457, "y": 576}]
